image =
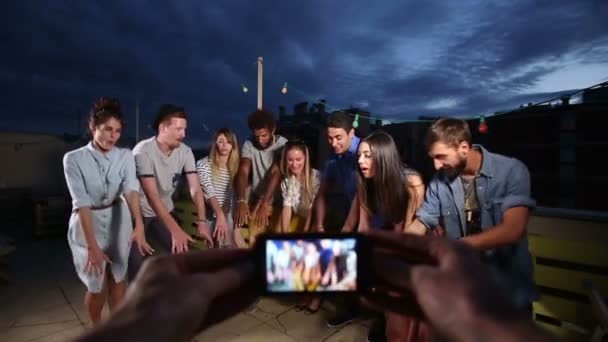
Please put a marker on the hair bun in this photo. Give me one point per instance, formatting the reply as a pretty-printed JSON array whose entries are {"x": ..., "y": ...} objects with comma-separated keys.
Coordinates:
[{"x": 107, "y": 104}]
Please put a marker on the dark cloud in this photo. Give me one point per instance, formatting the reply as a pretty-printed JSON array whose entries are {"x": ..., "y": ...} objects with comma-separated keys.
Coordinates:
[{"x": 401, "y": 59}]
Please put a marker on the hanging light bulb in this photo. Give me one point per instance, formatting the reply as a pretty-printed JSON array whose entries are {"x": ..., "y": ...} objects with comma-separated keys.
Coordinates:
[
  {"x": 284, "y": 89},
  {"x": 244, "y": 88},
  {"x": 356, "y": 122},
  {"x": 483, "y": 126}
]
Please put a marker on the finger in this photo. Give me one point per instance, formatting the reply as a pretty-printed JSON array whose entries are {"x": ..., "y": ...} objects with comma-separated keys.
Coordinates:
[
  {"x": 141, "y": 249},
  {"x": 226, "y": 279},
  {"x": 148, "y": 248},
  {"x": 426, "y": 284},
  {"x": 424, "y": 248},
  {"x": 87, "y": 267},
  {"x": 404, "y": 304},
  {"x": 230, "y": 304},
  {"x": 173, "y": 246},
  {"x": 211, "y": 259},
  {"x": 95, "y": 268},
  {"x": 388, "y": 268}
]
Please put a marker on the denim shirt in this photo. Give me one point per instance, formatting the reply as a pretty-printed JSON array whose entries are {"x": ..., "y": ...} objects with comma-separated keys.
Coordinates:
[{"x": 503, "y": 183}]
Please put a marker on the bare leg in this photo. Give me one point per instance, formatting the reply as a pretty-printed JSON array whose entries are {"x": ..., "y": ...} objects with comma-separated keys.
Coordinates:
[
  {"x": 116, "y": 291},
  {"x": 94, "y": 303},
  {"x": 314, "y": 305}
]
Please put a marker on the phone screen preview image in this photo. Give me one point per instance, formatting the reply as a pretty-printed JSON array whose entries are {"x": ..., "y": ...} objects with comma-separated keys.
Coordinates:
[{"x": 318, "y": 265}]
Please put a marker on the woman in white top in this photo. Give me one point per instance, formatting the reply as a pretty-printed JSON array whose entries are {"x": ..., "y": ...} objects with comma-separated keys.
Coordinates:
[
  {"x": 298, "y": 187},
  {"x": 100, "y": 178},
  {"x": 216, "y": 173}
]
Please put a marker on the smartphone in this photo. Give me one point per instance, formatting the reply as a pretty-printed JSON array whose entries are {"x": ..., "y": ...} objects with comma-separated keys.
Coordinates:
[{"x": 323, "y": 264}]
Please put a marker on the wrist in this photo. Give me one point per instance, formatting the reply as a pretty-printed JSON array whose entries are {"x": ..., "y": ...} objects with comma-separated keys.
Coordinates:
[{"x": 92, "y": 245}]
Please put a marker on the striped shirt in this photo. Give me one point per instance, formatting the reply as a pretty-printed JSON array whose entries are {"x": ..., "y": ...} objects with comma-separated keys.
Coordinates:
[{"x": 220, "y": 188}]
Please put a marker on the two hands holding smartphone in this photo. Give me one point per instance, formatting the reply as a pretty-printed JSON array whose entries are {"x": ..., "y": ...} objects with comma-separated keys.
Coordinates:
[{"x": 174, "y": 297}]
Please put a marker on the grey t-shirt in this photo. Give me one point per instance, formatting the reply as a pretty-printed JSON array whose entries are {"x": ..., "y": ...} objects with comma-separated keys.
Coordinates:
[
  {"x": 150, "y": 161},
  {"x": 261, "y": 161}
]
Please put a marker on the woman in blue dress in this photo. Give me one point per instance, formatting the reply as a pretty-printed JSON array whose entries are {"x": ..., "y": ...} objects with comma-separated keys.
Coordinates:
[{"x": 105, "y": 204}]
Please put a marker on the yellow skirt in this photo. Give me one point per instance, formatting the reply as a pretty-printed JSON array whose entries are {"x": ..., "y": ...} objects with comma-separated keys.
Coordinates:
[{"x": 296, "y": 225}]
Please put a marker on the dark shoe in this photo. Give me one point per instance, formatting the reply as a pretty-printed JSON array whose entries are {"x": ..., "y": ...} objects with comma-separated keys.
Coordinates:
[
  {"x": 340, "y": 320},
  {"x": 309, "y": 311},
  {"x": 313, "y": 307}
]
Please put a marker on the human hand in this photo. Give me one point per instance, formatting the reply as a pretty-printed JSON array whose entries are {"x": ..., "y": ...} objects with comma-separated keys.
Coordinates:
[{"x": 174, "y": 297}]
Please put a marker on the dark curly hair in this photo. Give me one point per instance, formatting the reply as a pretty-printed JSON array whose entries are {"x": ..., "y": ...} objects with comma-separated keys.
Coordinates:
[
  {"x": 103, "y": 110},
  {"x": 261, "y": 119}
]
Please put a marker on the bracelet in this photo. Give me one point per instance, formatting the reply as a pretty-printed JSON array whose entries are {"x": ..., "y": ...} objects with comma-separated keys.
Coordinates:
[
  {"x": 241, "y": 200},
  {"x": 201, "y": 221}
]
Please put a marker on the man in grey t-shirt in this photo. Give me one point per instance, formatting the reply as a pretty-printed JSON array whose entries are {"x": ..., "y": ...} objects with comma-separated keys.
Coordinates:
[
  {"x": 160, "y": 162},
  {"x": 258, "y": 177}
]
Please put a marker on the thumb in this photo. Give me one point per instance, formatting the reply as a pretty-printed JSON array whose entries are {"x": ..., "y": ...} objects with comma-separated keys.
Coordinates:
[{"x": 426, "y": 284}]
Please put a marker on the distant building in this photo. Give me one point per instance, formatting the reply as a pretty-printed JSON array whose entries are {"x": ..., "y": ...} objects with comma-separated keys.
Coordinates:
[
  {"x": 562, "y": 146},
  {"x": 35, "y": 161}
]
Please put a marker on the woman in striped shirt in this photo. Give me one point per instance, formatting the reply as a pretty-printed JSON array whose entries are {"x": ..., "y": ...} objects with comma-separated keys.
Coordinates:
[{"x": 216, "y": 173}]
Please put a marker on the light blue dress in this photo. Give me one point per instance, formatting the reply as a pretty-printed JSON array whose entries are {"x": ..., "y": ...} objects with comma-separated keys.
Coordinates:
[{"x": 96, "y": 179}]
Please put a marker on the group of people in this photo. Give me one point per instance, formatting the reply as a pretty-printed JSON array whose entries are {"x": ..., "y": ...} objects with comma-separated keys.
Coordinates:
[
  {"x": 311, "y": 266},
  {"x": 124, "y": 212}
]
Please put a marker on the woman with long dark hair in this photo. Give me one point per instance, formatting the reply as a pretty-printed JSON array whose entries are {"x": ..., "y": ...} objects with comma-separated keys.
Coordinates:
[
  {"x": 389, "y": 194},
  {"x": 105, "y": 199}
]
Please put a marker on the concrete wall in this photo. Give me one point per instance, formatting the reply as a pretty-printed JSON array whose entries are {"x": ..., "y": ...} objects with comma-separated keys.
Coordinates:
[{"x": 33, "y": 161}]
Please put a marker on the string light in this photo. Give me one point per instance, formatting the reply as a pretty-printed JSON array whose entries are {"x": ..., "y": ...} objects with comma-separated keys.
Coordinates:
[
  {"x": 483, "y": 126},
  {"x": 356, "y": 122}
]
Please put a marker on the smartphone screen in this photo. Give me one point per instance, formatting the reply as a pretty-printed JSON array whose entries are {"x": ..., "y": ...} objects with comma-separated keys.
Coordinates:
[{"x": 316, "y": 263}]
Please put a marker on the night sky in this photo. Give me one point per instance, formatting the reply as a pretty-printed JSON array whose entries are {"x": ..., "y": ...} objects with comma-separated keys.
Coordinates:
[{"x": 398, "y": 59}]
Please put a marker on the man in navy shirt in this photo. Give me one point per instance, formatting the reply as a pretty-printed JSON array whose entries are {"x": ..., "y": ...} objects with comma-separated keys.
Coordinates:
[{"x": 337, "y": 191}]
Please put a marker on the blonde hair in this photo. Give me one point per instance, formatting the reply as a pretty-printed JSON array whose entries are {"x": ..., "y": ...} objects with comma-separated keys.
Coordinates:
[
  {"x": 306, "y": 177},
  {"x": 233, "y": 158}
]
